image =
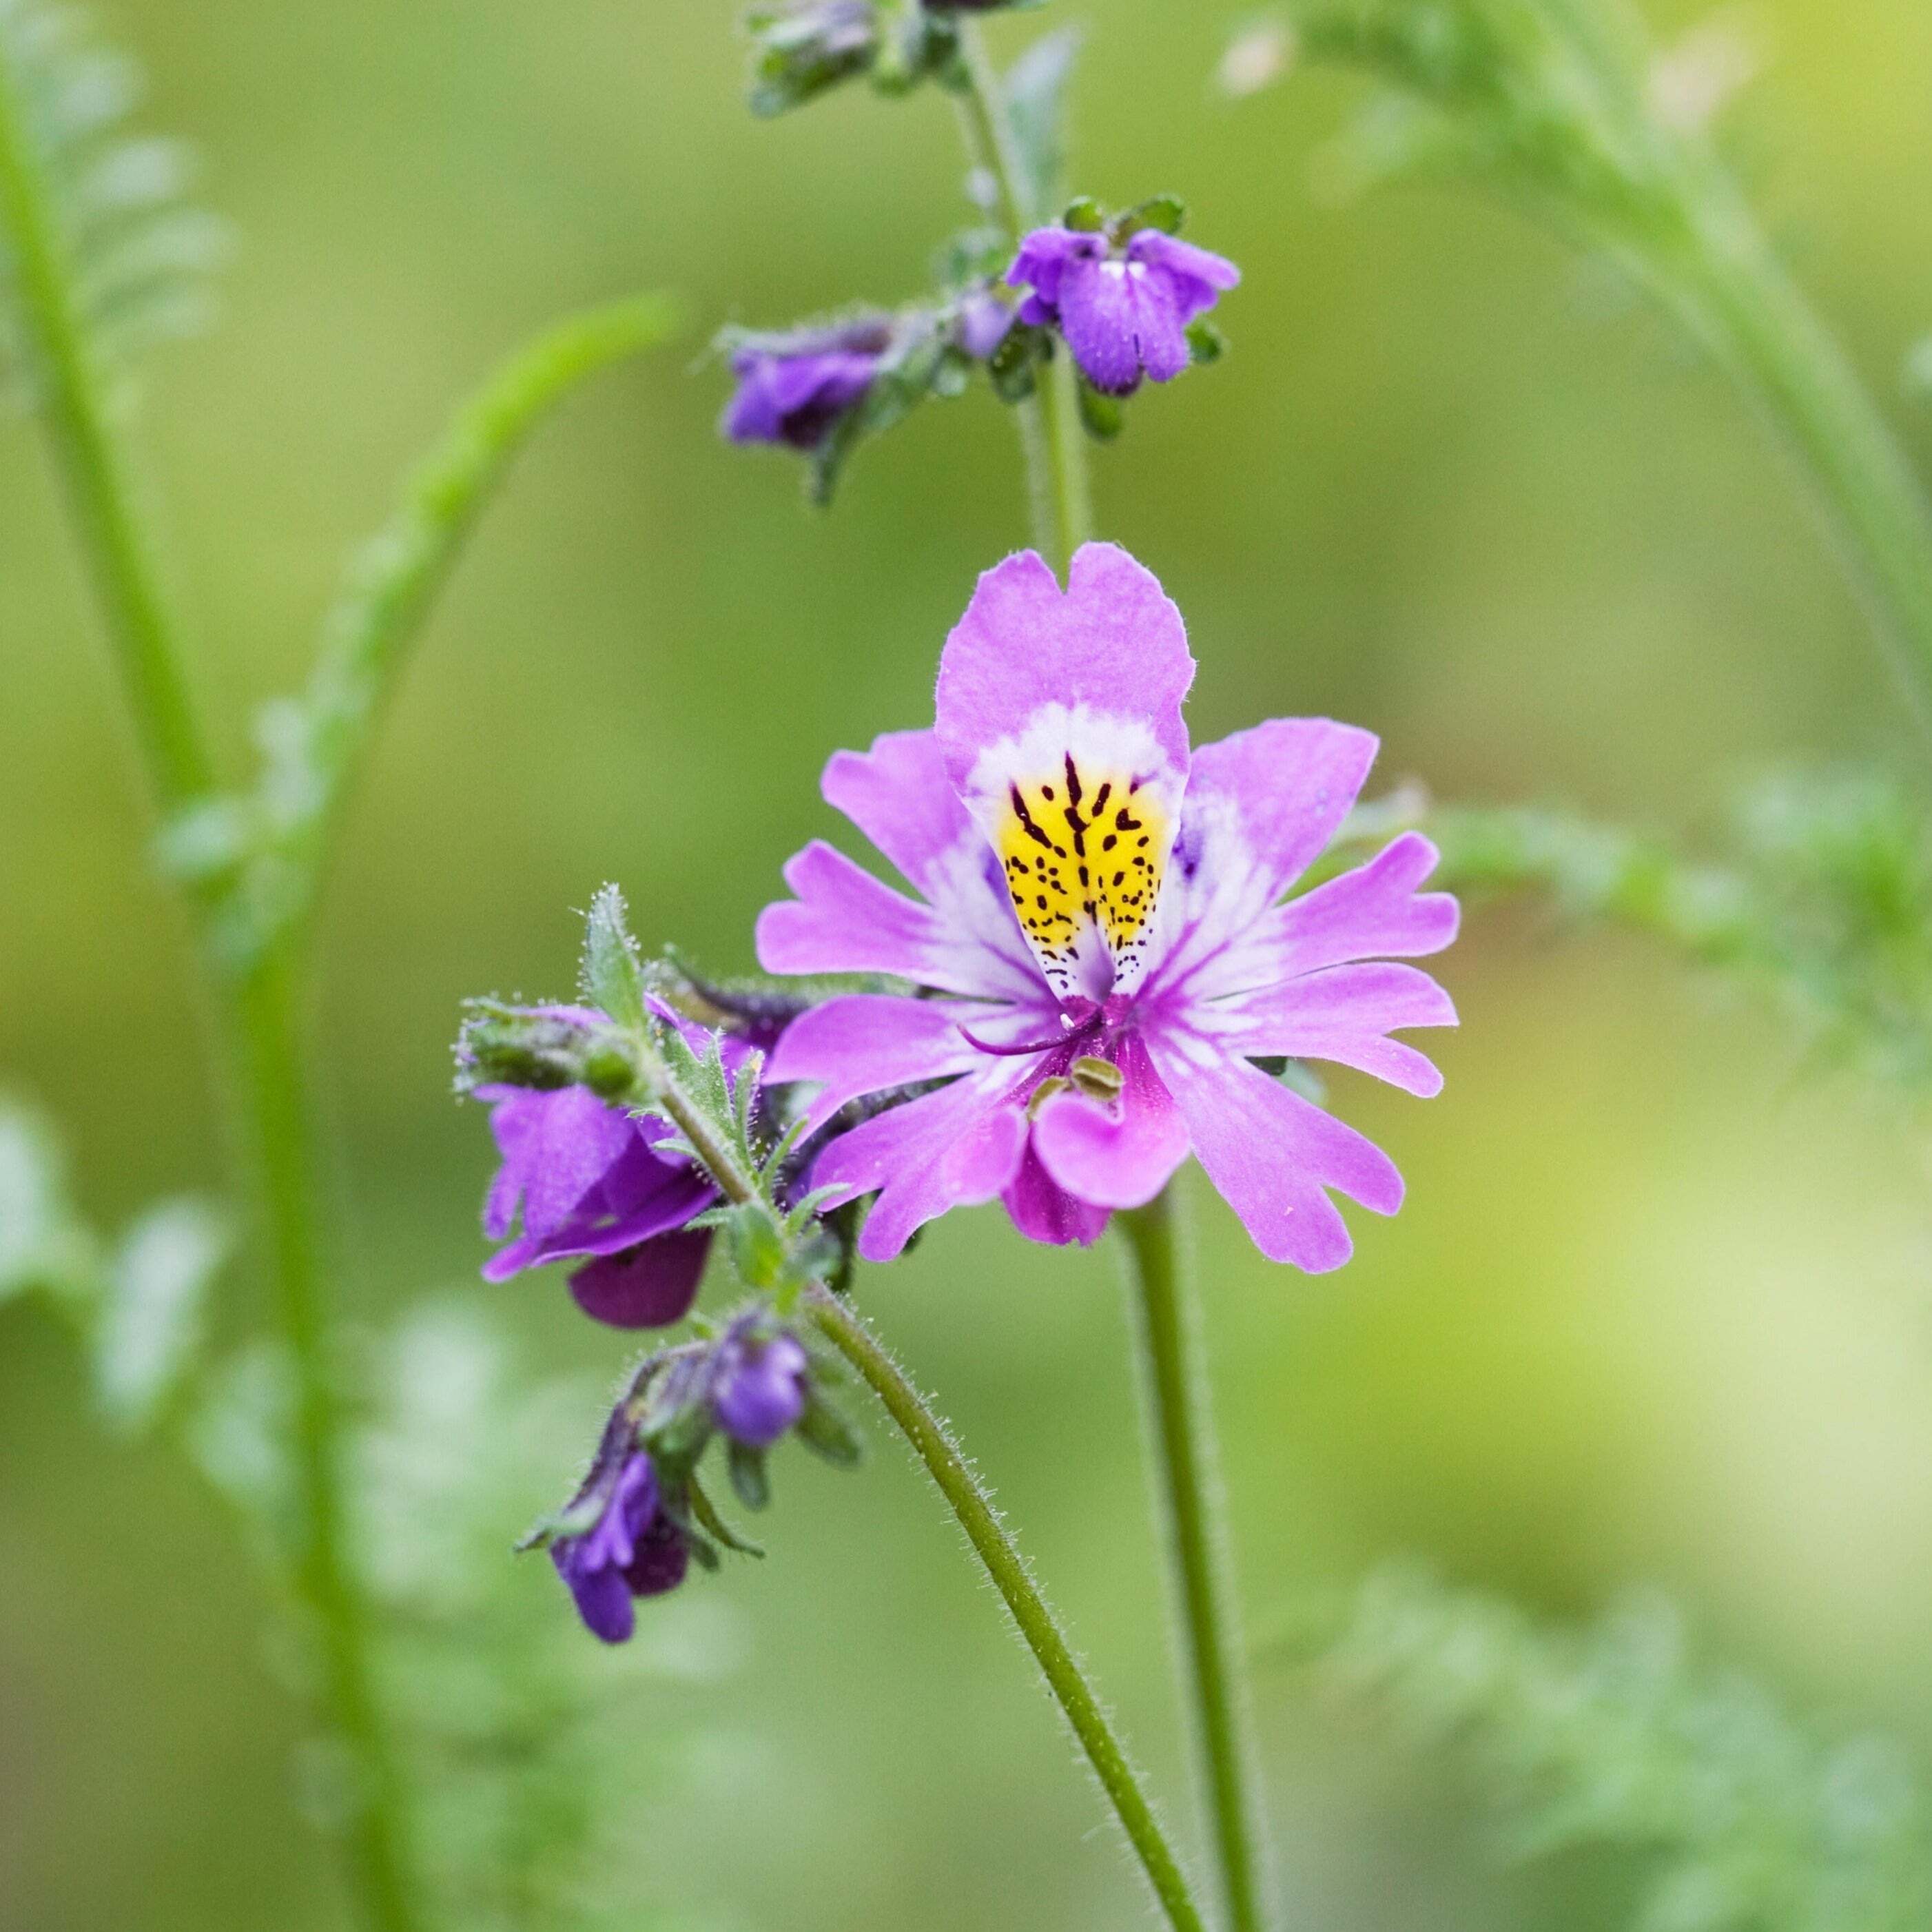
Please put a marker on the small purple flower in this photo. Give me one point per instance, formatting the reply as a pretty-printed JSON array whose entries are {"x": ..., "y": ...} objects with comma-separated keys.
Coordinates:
[
  {"x": 794, "y": 389},
  {"x": 1123, "y": 310},
  {"x": 587, "y": 1180},
  {"x": 1102, "y": 940},
  {"x": 758, "y": 1392},
  {"x": 631, "y": 1548},
  {"x": 984, "y": 320}
]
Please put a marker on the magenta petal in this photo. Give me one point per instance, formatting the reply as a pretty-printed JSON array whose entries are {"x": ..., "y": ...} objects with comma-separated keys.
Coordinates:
[
  {"x": 649, "y": 1286},
  {"x": 1120, "y": 1156},
  {"x": 1344, "y": 1014},
  {"x": 899, "y": 796},
  {"x": 573, "y": 1142},
  {"x": 1043, "y": 1211},
  {"x": 843, "y": 921},
  {"x": 863, "y": 1043},
  {"x": 1113, "y": 643},
  {"x": 1272, "y": 1155},
  {"x": 1285, "y": 786},
  {"x": 1374, "y": 910},
  {"x": 1100, "y": 316},
  {"x": 1196, "y": 277},
  {"x": 955, "y": 1148}
]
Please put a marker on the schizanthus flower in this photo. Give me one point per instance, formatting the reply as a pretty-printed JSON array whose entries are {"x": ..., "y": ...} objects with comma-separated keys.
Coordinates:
[
  {"x": 796, "y": 389},
  {"x": 1102, "y": 915},
  {"x": 1123, "y": 307},
  {"x": 630, "y": 1548},
  {"x": 587, "y": 1179}
]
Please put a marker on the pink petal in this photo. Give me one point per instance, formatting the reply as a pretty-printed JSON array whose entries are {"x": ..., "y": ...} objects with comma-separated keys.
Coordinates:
[
  {"x": 899, "y": 795},
  {"x": 957, "y": 1148},
  {"x": 1059, "y": 716},
  {"x": 1343, "y": 1014},
  {"x": 1372, "y": 911},
  {"x": 1120, "y": 1156},
  {"x": 863, "y": 1043},
  {"x": 1273, "y": 1155}
]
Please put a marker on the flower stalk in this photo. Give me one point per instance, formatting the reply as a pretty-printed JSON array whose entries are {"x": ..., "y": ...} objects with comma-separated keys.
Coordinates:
[
  {"x": 933, "y": 1443},
  {"x": 1181, "y": 1433}
]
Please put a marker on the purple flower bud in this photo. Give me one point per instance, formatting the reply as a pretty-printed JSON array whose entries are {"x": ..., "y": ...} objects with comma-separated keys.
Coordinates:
[
  {"x": 795, "y": 389},
  {"x": 759, "y": 1390},
  {"x": 1123, "y": 310},
  {"x": 632, "y": 1549},
  {"x": 984, "y": 320}
]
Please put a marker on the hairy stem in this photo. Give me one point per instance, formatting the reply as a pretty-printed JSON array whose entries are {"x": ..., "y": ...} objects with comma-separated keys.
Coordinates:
[
  {"x": 988, "y": 137},
  {"x": 266, "y": 1024},
  {"x": 932, "y": 1442},
  {"x": 1175, "y": 1384},
  {"x": 71, "y": 395},
  {"x": 258, "y": 1012}
]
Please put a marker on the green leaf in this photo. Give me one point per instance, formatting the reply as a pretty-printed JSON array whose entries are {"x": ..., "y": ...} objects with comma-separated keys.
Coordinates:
[
  {"x": 141, "y": 257},
  {"x": 151, "y": 1320},
  {"x": 612, "y": 976},
  {"x": 706, "y": 1512},
  {"x": 1035, "y": 89},
  {"x": 1102, "y": 417},
  {"x": 44, "y": 1246}
]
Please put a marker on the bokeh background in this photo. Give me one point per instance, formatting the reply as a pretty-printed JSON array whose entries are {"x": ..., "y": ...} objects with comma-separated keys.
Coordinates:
[{"x": 1655, "y": 1309}]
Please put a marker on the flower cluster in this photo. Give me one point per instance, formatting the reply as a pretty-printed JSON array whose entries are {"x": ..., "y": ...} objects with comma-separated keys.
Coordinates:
[{"x": 641, "y": 1515}]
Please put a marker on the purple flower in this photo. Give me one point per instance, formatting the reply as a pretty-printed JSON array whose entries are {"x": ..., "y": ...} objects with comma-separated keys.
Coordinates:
[
  {"x": 587, "y": 1180},
  {"x": 794, "y": 389},
  {"x": 1124, "y": 310},
  {"x": 758, "y": 1389},
  {"x": 984, "y": 320},
  {"x": 1103, "y": 910},
  {"x": 631, "y": 1548}
]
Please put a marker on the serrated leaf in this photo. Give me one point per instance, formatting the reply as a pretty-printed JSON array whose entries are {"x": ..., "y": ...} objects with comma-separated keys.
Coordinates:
[
  {"x": 1035, "y": 89},
  {"x": 612, "y": 975},
  {"x": 140, "y": 258},
  {"x": 151, "y": 1320}
]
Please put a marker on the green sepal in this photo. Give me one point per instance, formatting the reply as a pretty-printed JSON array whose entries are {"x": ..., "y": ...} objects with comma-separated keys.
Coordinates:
[
  {"x": 1011, "y": 370},
  {"x": 824, "y": 1431},
  {"x": 706, "y": 1512},
  {"x": 749, "y": 1482},
  {"x": 1102, "y": 416},
  {"x": 611, "y": 975},
  {"x": 1084, "y": 215},
  {"x": 1165, "y": 213},
  {"x": 1205, "y": 343}
]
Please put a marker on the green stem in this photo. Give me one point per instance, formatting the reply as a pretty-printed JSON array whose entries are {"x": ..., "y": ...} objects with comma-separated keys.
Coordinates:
[
  {"x": 1175, "y": 1385},
  {"x": 1072, "y": 493},
  {"x": 987, "y": 135},
  {"x": 265, "y": 1021},
  {"x": 71, "y": 394},
  {"x": 258, "y": 1012},
  {"x": 934, "y": 1445}
]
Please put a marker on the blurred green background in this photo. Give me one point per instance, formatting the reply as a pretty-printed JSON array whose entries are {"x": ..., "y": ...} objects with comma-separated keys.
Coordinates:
[{"x": 1655, "y": 1308}]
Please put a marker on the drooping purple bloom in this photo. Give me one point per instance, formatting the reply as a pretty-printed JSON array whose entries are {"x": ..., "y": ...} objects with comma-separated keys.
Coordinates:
[
  {"x": 758, "y": 1390},
  {"x": 1102, "y": 912},
  {"x": 1123, "y": 310},
  {"x": 587, "y": 1180},
  {"x": 631, "y": 1548},
  {"x": 794, "y": 389}
]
